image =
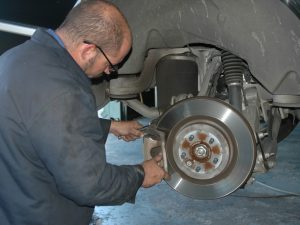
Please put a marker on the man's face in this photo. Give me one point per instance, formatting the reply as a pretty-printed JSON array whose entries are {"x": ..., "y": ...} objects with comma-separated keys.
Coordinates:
[{"x": 102, "y": 61}]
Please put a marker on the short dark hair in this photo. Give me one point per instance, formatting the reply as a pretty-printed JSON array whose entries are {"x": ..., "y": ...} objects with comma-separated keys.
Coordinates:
[{"x": 90, "y": 20}]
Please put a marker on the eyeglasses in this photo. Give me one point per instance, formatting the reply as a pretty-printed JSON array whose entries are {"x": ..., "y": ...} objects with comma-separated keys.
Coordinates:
[{"x": 112, "y": 68}]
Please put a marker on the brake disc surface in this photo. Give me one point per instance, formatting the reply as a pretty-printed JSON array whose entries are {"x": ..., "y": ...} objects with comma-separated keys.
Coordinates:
[{"x": 210, "y": 147}]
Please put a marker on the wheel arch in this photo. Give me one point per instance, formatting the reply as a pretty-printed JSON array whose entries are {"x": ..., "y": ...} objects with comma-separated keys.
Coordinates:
[{"x": 264, "y": 33}]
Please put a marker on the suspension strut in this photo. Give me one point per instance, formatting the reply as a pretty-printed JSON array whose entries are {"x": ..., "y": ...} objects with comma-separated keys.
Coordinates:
[{"x": 234, "y": 68}]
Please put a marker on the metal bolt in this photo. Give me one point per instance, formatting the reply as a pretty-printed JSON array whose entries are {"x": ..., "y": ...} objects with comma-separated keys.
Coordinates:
[
  {"x": 183, "y": 155},
  {"x": 200, "y": 151},
  {"x": 189, "y": 163},
  {"x": 198, "y": 168},
  {"x": 191, "y": 137},
  {"x": 215, "y": 161},
  {"x": 211, "y": 141}
]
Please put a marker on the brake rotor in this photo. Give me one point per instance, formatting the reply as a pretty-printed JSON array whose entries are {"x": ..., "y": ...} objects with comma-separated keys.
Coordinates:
[{"x": 210, "y": 147}]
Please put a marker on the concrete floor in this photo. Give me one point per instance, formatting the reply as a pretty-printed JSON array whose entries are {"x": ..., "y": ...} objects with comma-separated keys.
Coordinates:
[{"x": 257, "y": 204}]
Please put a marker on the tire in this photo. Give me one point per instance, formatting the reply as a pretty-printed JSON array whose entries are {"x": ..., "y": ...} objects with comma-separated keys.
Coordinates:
[{"x": 286, "y": 127}]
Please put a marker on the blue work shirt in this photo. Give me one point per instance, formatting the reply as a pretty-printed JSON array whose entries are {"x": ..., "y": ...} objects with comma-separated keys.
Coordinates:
[{"x": 53, "y": 166}]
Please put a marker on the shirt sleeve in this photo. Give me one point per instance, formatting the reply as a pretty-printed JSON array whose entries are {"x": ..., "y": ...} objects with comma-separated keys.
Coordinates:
[
  {"x": 69, "y": 139},
  {"x": 105, "y": 126}
]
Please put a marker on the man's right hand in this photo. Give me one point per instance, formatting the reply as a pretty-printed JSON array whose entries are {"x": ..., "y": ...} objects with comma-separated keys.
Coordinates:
[{"x": 153, "y": 172}]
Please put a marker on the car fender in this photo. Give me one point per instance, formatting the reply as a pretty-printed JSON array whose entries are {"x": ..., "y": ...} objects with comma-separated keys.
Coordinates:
[{"x": 264, "y": 33}]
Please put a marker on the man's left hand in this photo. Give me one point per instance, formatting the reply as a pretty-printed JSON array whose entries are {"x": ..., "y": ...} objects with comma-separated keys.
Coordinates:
[{"x": 126, "y": 130}]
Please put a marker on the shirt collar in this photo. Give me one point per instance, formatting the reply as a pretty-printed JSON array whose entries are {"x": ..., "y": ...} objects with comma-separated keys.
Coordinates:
[{"x": 56, "y": 37}]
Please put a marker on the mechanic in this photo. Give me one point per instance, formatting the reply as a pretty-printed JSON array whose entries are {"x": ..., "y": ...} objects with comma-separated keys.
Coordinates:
[{"x": 52, "y": 156}]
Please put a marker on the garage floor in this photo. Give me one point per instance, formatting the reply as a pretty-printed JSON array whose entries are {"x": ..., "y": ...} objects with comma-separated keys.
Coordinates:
[{"x": 266, "y": 202}]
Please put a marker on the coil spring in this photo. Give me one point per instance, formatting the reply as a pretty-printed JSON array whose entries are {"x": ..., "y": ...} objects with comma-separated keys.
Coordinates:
[{"x": 234, "y": 68}]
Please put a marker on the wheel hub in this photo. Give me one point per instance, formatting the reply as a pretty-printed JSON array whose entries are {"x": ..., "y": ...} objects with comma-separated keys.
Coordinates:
[{"x": 200, "y": 151}]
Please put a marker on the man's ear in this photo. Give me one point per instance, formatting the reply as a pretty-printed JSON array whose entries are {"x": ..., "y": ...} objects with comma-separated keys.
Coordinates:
[
  {"x": 86, "y": 52},
  {"x": 83, "y": 53}
]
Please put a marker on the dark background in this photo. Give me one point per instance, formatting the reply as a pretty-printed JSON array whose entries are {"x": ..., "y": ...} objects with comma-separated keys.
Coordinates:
[{"x": 36, "y": 13}]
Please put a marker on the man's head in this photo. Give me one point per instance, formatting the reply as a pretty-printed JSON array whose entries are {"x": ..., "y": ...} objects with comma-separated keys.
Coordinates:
[{"x": 96, "y": 33}]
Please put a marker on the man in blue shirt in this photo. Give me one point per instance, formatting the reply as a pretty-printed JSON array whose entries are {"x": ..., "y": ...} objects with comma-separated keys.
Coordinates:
[{"x": 53, "y": 166}]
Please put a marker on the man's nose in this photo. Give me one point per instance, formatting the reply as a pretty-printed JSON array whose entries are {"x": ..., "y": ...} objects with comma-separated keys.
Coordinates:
[{"x": 107, "y": 70}]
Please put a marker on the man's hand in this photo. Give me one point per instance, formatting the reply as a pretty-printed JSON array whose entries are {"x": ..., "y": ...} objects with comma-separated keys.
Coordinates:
[
  {"x": 126, "y": 130},
  {"x": 153, "y": 172}
]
